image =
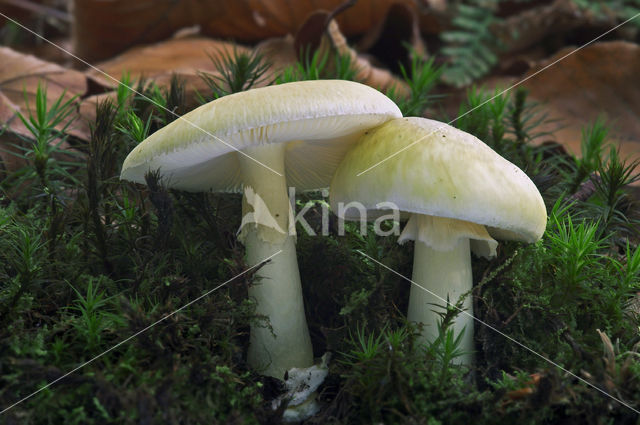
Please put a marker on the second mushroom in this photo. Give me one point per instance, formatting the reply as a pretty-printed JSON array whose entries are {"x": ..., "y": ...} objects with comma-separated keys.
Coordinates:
[{"x": 459, "y": 195}]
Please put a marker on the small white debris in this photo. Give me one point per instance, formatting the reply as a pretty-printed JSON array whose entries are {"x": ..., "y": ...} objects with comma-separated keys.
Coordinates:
[{"x": 301, "y": 393}]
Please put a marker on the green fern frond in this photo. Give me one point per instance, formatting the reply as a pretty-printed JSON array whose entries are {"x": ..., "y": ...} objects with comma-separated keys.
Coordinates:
[{"x": 470, "y": 45}]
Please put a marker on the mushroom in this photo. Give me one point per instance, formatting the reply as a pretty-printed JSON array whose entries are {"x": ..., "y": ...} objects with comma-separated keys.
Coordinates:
[
  {"x": 263, "y": 140},
  {"x": 459, "y": 194}
]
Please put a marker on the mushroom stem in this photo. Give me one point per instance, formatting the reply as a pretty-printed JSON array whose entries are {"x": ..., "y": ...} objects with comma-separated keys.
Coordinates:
[
  {"x": 444, "y": 274},
  {"x": 276, "y": 289}
]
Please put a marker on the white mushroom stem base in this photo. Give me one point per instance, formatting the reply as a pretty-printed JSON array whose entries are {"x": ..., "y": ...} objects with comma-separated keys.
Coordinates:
[
  {"x": 301, "y": 385},
  {"x": 276, "y": 288},
  {"x": 442, "y": 272},
  {"x": 436, "y": 276}
]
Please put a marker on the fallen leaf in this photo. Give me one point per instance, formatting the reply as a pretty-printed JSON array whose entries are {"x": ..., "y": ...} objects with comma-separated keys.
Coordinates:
[
  {"x": 184, "y": 57},
  {"x": 262, "y": 18},
  {"x": 20, "y": 76},
  {"x": 599, "y": 80},
  {"x": 103, "y": 28}
]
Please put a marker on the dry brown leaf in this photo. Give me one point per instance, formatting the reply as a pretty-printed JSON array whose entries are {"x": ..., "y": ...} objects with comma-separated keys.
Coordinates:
[
  {"x": 20, "y": 76},
  {"x": 102, "y": 29},
  {"x": 184, "y": 57},
  {"x": 187, "y": 57},
  {"x": 598, "y": 80},
  {"x": 105, "y": 28},
  {"x": 601, "y": 79},
  {"x": 267, "y": 18}
]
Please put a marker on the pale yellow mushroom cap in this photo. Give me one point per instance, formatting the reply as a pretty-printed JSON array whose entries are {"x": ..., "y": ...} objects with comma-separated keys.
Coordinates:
[
  {"x": 319, "y": 121},
  {"x": 448, "y": 173}
]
